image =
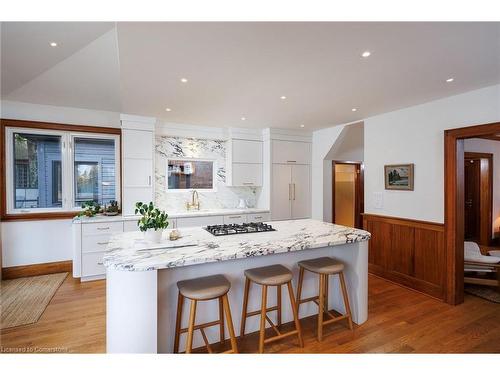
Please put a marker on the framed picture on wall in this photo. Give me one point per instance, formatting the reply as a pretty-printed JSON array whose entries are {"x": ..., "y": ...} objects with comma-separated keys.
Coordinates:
[{"x": 398, "y": 177}]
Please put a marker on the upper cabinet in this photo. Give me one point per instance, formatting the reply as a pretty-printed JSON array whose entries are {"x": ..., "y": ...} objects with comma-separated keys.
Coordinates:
[
  {"x": 291, "y": 152},
  {"x": 244, "y": 162}
]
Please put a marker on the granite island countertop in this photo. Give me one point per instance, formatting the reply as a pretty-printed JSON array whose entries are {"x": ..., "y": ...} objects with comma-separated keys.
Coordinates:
[{"x": 130, "y": 252}]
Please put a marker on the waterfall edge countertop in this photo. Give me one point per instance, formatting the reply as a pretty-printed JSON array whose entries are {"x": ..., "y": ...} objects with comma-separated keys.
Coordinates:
[{"x": 130, "y": 252}]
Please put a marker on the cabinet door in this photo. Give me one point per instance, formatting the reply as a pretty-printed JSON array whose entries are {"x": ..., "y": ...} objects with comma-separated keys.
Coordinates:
[
  {"x": 291, "y": 152},
  {"x": 281, "y": 192},
  {"x": 235, "y": 219},
  {"x": 132, "y": 195},
  {"x": 244, "y": 151},
  {"x": 137, "y": 144},
  {"x": 247, "y": 174},
  {"x": 137, "y": 172},
  {"x": 199, "y": 221},
  {"x": 301, "y": 191}
]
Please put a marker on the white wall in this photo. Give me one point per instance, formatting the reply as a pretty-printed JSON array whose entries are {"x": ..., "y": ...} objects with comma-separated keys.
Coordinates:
[
  {"x": 490, "y": 147},
  {"x": 32, "y": 242},
  {"x": 416, "y": 135}
]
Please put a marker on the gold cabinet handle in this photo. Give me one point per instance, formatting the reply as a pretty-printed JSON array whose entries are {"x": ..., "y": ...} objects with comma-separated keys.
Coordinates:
[
  {"x": 293, "y": 191},
  {"x": 105, "y": 228}
]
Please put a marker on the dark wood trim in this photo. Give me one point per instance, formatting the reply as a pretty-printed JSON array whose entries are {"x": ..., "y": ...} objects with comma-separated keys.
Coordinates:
[
  {"x": 359, "y": 201},
  {"x": 37, "y": 269},
  {"x": 490, "y": 137},
  {"x": 4, "y": 123},
  {"x": 405, "y": 221},
  {"x": 454, "y": 208},
  {"x": 486, "y": 200}
]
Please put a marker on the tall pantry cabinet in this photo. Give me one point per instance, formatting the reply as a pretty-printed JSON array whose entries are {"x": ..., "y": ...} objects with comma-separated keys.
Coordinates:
[{"x": 290, "y": 180}]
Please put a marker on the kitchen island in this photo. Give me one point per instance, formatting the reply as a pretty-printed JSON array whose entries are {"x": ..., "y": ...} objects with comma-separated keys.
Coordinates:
[{"x": 141, "y": 290}]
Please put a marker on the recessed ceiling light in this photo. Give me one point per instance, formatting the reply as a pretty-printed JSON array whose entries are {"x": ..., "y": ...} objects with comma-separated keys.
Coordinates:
[
  {"x": 354, "y": 109},
  {"x": 184, "y": 80},
  {"x": 450, "y": 80},
  {"x": 366, "y": 54},
  {"x": 53, "y": 44},
  {"x": 283, "y": 97},
  {"x": 243, "y": 118},
  {"x": 168, "y": 109},
  {"x": 302, "y": 125}
]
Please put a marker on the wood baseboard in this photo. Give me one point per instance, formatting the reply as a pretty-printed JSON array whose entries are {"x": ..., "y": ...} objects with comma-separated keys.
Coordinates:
[{"x": 36, "y": 269}]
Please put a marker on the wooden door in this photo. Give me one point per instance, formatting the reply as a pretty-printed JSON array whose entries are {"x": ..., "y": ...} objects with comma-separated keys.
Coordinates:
[
  {"x": 358, "y": 190},
  {"x": 472, "y": 196}
]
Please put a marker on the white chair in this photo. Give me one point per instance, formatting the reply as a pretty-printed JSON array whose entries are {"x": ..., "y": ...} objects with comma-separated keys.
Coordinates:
[{"x": 477, "y": 266}]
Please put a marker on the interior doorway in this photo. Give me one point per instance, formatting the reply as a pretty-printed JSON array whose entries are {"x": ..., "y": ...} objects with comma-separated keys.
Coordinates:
[
  {"x": 478, "y": 197},
  {"x": 454, "y": 213},
  {"x": 347, "y": 193}
]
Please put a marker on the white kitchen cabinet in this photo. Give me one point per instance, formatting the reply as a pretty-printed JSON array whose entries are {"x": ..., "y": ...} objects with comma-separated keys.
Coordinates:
[
  {"x": 137, "y": 162},
  {"x": 291, "y": 191},
  {"x": 247, "y": 174},
  {"x": 235, "y": 219},
  {"x": 291, "y": 152},
  {"x": 199, "y": 221},
  {"x": 244, "y": 163},
  {"x": 260, "y": 217}
]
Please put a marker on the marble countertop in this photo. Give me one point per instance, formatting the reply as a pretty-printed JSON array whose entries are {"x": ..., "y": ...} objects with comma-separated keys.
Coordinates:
[
  {"x": 129, "y": 251},
  {"x": 174, "y": 215}
]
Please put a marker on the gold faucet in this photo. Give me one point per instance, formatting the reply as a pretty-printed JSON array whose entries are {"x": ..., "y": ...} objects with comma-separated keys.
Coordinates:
[{"x": 195, "y": 202}]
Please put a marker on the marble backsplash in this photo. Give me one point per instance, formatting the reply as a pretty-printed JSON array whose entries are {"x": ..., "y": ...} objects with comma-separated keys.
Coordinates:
[{"x": 177, "y": 147}]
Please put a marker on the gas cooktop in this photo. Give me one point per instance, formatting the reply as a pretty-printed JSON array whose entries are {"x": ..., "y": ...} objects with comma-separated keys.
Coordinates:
[{"x": 227, "y": 229}]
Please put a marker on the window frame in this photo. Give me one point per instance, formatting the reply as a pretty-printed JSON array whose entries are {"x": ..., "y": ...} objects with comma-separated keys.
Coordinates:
[
  {"x": 67, "y": 132},
  {"x": 214, "y": 175}
]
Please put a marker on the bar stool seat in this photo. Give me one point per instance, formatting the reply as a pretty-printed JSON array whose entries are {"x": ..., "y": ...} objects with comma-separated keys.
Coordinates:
[
  {"x": 323, "y": 265},
  {"x": 273, "y": 275},
  {"x": 204, "y": 288}
]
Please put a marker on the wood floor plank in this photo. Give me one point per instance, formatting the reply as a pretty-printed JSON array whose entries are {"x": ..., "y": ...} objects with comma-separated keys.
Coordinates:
[{"x": 400, "y": 321}]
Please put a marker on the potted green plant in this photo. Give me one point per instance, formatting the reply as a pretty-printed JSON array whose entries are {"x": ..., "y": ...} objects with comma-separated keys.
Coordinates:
[
  {"x": 112, "y": 209},
  {"x": 89, "y": 209},
  {"x": 152, "y": 222}
]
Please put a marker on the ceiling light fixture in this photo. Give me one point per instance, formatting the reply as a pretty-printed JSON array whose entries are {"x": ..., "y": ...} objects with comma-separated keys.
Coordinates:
[
  {"x": 366, "y": 54},
  {"x": 53, "y": 44},
  {"x": 283, "y": 97},
  {"x": 354, "y": 109},
  {"x": 450, "y": 80},
  {"x": 168, "y": 109},
  {"x": 243, "y": 118},
  {"x": 302, "y": 125},
  {"x": 184, "y": 80}
]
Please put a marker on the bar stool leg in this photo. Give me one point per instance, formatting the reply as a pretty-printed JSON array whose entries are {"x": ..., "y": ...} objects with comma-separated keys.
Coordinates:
[
  {"x": 263, "y": 309},
  {"x": 327, "y": 279},
  {"x": 178, "y": 320},
  {"x": 245, "y": 306},
  {"x": 221, "y": 318},
  {"x": 278, "y": 303},
  {"x": 346, "y": 299},
  {"x": 229, "y": 319},
  {"x": 321, "y": 305},
  {"x": 192, "y": 317},
  {"x": 295, "y": 314},
  {"x": 299, "y": 288}
]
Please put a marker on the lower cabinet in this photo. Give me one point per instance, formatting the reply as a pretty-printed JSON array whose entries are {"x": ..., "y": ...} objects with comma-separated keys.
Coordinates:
[{"x": 199, "y": 221}]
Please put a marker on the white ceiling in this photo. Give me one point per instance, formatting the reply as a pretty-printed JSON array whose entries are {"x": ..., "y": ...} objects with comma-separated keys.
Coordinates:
[{"x": 242, "y": 69}]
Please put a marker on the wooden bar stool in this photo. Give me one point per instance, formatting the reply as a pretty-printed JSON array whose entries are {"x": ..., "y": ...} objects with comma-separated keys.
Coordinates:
[
  {"x": 274, "y": 275},
  {"x": 325, "y": 267},
  {"x": 204, "y": 289}
]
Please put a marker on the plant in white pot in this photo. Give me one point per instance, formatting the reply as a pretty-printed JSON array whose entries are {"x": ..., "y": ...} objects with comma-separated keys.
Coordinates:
[{"x": 152, "y": 222}]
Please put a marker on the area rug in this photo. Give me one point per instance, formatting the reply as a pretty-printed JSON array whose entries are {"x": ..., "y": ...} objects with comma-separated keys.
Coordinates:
[
  {"x": 24, "y": 300},
  {"x": 485, "y": 292}
]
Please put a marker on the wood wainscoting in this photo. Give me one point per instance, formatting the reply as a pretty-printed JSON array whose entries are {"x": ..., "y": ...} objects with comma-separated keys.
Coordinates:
[
  {"x": 37, "y": 269},
  {"x": 408, "y": 252}
]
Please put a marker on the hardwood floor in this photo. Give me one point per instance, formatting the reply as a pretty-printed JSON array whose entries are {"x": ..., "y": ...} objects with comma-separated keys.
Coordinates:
[{"x": 400, "y": 321}]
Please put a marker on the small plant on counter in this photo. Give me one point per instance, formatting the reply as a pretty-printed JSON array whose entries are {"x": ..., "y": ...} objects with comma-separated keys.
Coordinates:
[
  {"x": 152, "y": 222},
  {"x": 89, "y": 209},
  {"x": 112, "y": 209}
]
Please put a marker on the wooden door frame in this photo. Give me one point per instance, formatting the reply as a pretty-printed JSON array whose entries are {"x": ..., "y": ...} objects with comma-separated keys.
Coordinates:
[
  {"x": 454, "y": 207},
  {"x": 359, "y": 196},
  {"x": 486, "y": 205}
]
